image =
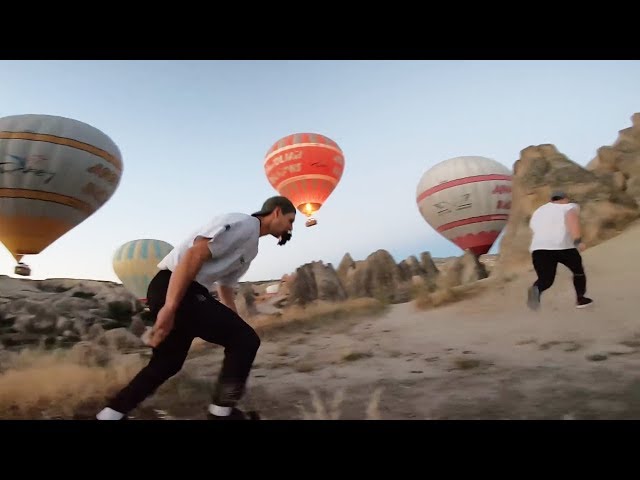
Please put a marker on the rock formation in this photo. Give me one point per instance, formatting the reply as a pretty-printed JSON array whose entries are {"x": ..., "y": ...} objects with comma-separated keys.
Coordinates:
[
  {"x": 345, "y": 265},
  {"x": 245, "y": 300},
  {"x": 605, "y": 209},
  {"x": 377, "y": 276},
  {"x": 428, "y": 265},
  {"x": 62, "y": 312},
  {"x": 316, "y": 281},
  {"x": 620, "y": 162},
  {"x": 463, "y": 270}
]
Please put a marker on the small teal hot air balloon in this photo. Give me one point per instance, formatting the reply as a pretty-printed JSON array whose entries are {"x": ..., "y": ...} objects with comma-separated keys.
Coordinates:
[{"x": 136, "y": 263}]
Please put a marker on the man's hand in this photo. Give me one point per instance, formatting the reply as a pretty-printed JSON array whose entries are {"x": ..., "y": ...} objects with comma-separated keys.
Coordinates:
[
  {"x": 162, "y": 327},
  {"x": 227, "y": 297}
]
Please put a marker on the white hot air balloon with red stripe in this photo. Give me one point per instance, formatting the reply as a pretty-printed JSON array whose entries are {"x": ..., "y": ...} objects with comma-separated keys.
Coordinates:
[{"x": 467, "y": 200}]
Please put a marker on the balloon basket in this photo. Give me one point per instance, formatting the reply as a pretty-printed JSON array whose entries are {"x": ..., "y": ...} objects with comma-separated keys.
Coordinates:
[
  {"x": 22, "y": 270},
  {"x": 311, "y": 222}
]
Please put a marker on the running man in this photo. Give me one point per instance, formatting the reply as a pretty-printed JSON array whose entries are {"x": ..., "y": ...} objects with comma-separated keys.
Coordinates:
[
  {"x": 557, "y": 239},
  {"x": 219, "y": 252}
]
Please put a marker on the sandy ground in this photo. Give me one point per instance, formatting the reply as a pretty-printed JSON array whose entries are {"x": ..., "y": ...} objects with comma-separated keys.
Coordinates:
[{"x": 487, "y": 357}]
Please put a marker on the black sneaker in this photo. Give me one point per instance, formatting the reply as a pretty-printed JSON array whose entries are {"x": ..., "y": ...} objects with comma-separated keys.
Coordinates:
[
  {"x": 123, "y": 418},
  {"x": 533, "y": 298},
  {"x": 583, "y": 302},
  {"x": 236, "y": 414}
]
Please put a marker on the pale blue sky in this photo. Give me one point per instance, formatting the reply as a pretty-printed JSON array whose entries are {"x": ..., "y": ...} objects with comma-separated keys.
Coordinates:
[{"x": 193, "y": 135}]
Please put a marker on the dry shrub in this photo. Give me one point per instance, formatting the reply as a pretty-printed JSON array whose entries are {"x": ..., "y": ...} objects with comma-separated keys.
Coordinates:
[
  {"x": 427, "y": 299},
  {"x": 36, "y": 384},
  {"x": 466, "y": 363},
  {"x": 435, "y": 299},
  {"x": 352, "y": 356},
  {"x": 319, "y": 312},
  {"x": 332, "y": 411}
]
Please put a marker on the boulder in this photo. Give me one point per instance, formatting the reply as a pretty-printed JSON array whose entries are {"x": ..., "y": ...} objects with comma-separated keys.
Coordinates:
[
  {"x": 463, "y": 270},
  {"x": 316, "y": 281}
]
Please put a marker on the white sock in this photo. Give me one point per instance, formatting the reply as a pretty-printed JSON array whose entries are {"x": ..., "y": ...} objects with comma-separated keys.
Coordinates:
[
  {"x": 109, "y": 414},
  {"x": 219, "y": 411}
]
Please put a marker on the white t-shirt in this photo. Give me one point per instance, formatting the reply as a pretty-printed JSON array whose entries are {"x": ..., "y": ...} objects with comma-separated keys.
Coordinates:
[
  {"x": 234, "y": 245},
  {"x": 549, "y": 227}
]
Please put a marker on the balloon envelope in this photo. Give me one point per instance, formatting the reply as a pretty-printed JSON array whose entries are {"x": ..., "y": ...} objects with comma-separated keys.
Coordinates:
[
  {"x": 305, "y": 168},
  {"x": 467, "y": 200},
  {"x": 54, "y": 173},
  {"x": 136, "y": 263}
]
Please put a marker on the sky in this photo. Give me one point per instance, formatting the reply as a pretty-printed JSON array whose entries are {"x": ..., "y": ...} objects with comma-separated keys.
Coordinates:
[{"x": 193, "y": 136}]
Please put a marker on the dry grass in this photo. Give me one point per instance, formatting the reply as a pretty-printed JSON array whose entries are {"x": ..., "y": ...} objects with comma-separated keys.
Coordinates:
[
  {"x": 352, "y": 356},
  {"x": 466, "y": 363},
  {"x": 570, "y": 346},
  {"x": 36, "y": 384},
  {"x": 323, "y": 410},
  {"x": 305, "y": 366},
  {"x": 316, "y": 314},
  {"x": 426, "y": 299}
]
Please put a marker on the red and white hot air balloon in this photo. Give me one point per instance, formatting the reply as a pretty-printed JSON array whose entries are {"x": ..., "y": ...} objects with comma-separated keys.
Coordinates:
[
  {"x": 305, "y": 168},
  {"x": 467, "y": 200}
]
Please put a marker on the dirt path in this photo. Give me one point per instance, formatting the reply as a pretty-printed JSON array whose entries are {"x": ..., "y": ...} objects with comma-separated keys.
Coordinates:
[{"x": 416, "y": 365}]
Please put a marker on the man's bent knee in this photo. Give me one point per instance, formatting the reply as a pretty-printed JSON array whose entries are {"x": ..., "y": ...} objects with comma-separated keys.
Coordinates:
[
  {"x": 245, "y": 338},
  {"x": 545, "y": 285},
  {"x": 252, "y": 341}
]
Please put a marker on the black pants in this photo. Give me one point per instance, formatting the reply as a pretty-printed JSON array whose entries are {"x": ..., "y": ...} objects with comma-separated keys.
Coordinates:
[
  {"x": 545, "y": 263},
  {"x": 199, "y": 315}
]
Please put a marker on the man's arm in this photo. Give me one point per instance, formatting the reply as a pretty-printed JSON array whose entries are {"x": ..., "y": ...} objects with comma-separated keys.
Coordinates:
[
  {"x": 186, "y": 271},
  {"x": 226, "y": 287},
  {"x": 227, "y": 297},
  {"x": 573, "y": 225}
]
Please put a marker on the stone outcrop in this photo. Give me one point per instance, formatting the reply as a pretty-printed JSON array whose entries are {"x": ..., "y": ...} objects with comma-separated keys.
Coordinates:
[
  {"x": 377, "y": 276},
  {"x": 605, "y": 209},
  {"x": 619, "y": 163},
  {"x": 245, "y": 300},
  {"x": 316, "y": 281},
  {"x": 463, "y": 270},
  {"x": 62, "y": 312}
]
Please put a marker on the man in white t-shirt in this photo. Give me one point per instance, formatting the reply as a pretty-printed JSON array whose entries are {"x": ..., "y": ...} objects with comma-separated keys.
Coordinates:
[
  {"x": 557, "y": 239},
  {"x": 179, "y": 298}
]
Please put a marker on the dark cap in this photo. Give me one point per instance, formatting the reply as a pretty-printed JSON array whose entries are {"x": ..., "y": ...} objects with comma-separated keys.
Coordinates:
[
  {"x": 271, "y": 203},
  {"x": 558, "y": 195}
]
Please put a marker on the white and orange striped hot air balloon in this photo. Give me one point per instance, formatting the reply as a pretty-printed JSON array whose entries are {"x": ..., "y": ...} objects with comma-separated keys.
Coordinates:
[
  {"x": 305, "y": 168},
  {"x": 467, "y": 200},
  {"x": 54, "y": 173}
]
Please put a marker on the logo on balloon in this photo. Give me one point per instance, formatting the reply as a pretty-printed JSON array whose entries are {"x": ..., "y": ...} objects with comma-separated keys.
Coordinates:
[
  {"x": 32, "y": 164},
  {"x": 445, "y": 207}
]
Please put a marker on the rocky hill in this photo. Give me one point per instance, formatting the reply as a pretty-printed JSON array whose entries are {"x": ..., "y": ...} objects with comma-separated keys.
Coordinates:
[
  {"x": 607, "y": 191},
  {"x": 62, "y": 312}
]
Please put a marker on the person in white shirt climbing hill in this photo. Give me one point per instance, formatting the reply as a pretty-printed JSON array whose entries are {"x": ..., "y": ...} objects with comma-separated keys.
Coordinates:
[
  {"x": 557, "y": 239},
  {"x": 219, "y": 252}
]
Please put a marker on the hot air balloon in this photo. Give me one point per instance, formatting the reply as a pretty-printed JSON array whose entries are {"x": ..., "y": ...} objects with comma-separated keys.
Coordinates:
[
  {"x": 467, "y": 200},
  {"x": 54, "y": 173},
  {"x": 305, "y": 168},
  {"x": 136, "y": 263}
]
